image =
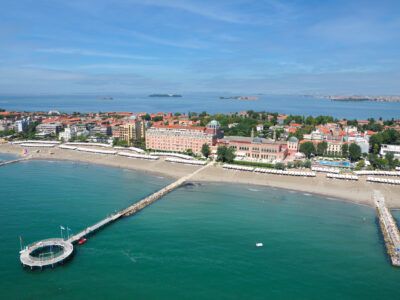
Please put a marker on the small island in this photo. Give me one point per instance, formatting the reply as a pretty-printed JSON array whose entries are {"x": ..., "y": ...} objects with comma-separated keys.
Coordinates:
[
  {"x": 239, "y": 98},
  {"x": 165, "y": 95},
  {"x": 105, "y": 98}
]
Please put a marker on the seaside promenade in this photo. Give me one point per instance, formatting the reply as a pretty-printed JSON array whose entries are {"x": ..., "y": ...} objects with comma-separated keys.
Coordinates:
[{"x": 27, "y": 259}]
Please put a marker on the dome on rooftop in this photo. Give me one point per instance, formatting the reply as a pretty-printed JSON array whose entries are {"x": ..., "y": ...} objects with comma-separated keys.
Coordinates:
[
  {"x": 213, "y": 124},
  {"x": 133, "y": 118},
  {"x": 293, "y": 139}
]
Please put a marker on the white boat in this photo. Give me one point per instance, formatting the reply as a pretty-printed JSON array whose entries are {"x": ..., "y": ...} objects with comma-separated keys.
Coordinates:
[{"x": 259, "y": 244}]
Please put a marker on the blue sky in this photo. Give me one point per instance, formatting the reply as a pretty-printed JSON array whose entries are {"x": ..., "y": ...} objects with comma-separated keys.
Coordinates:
[{"x": 238, "y": 46}]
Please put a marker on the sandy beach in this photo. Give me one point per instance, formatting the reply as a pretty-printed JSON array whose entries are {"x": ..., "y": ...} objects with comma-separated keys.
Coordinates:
[{"x": 355, "y": 191}]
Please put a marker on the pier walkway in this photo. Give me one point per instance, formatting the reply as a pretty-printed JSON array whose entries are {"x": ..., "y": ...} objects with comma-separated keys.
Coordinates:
[
  {"x": 28, "y": 260},
  {"x": 13, "y": 161},
  {"x": 389, "y": 229}
]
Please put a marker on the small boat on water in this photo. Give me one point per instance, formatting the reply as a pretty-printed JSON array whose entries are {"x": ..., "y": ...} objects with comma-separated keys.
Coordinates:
[
  {"x": 259, "y": 244},
  {"x": 81, "y": 241}
]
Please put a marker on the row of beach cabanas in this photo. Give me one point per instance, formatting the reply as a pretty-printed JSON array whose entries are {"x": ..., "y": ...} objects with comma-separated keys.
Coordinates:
[
  {"x": 375, "y": 172},
  {"x": 326, "y": 170},
  {"x": 140, "y": 156},
  {"x": 238, "y": 168},
  {"x": 383, "y": 180},
  {"x": 342, "y": 176},
  {"x": 97, "y": 151},
  {"x": 268, "y": 171},
  {"x": 88, "y": 144},
  {"x": 35, "y": 142},
  {"x": 138, "y": 150},
  {"x": 109, "y": 152},
  {"x": 186, "y": 161},
  {"x": 282, "y": 172},
  {"x": 171, "y": 154},
  {"x": 37, "y": 145}
]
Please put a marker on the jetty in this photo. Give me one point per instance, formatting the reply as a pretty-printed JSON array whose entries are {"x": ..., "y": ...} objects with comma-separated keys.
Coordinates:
[
  {"x": 28, "y": 259},
  {"x": 389, "y": 229},
  {"x": 13, "y": 161}
]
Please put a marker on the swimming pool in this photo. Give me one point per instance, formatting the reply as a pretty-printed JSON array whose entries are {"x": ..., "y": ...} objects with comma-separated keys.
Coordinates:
[{"x": 337, "y": 164}]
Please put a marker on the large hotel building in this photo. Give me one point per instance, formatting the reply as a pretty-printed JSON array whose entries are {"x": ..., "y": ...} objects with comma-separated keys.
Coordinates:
[
  {"x": 255, "y": 148},
  {"x": 178, "y": 138}
]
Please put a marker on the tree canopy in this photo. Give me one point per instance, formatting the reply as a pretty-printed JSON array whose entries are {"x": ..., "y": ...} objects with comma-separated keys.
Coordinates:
[{"x": 307, "y": 148}]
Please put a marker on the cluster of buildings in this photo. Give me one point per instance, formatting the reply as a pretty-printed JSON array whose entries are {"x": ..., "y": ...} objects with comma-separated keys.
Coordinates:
[{"x": 179, "y": 133}]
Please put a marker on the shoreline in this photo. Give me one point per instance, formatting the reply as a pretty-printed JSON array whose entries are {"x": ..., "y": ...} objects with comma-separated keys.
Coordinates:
[{"x": 359, "y": 192}]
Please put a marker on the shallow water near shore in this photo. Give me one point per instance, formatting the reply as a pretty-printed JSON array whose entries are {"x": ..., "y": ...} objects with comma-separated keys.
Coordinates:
[
  {"x": 7, "y": 157},
  {"x": 196, "y": 242}
]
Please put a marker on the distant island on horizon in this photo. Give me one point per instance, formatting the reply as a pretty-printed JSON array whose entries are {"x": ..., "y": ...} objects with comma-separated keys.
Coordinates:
[
  {"x": 239, "y": 98},
  {"x": 165, "y": 95}
]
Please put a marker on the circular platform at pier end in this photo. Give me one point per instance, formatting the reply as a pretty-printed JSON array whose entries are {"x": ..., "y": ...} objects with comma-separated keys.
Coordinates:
[{"x": 46, "y": 253}]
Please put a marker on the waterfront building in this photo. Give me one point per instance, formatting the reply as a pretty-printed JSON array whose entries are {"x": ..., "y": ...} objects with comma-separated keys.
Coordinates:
[
  {"x": 103, "y": 130},
  {"x": 67, "y": 134},
  {"x": 20, "y": 125},
  {"x": 293, "y": 145},
  {"x": 390, "y": 148},
  {"x": 255, "y": 148},
  {"x": 133, "y": 130},
  {"x": 334, "y": 148},
  {"x": 49, "y": 128},
  {"x": 6, "y": 125},
  {"x": 177, "y": 138}
]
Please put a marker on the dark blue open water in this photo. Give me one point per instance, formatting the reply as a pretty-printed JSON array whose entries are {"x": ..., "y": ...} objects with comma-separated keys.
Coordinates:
[{"x": 211, "y": 103}]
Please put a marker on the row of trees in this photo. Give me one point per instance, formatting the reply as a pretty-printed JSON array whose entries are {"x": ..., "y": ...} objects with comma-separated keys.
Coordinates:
[{"x": 353, "y": 151}]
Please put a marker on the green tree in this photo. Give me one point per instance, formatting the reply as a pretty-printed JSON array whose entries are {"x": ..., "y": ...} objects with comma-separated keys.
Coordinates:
[
  {"x": 157, "y": 118},
  {"x": 307, "y": 148},
  {"x": 345, "y": 150},
  {"x": 225, "y": 154},
  {"x": 146, "y": 117},
  {"x": 221, "y": 153},
  {"x": 355, "y": 152},
  {"x": 307, "y": 164},
  {"x": 280, "y": 166},
  {"x": 321, "y": 148},
  {"x": 205, "y": 150},
  {"x": 390, "y": 158},
  {"x": 361, "y": 163}
]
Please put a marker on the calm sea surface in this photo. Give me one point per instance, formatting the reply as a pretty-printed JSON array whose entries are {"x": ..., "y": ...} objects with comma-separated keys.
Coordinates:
[
  {"x": 205, "y": 102},
  {"x": 198, "y": 242}
]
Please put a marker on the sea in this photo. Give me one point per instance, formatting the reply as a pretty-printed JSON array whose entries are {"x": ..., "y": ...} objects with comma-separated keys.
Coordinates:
[
  {"x": 198, "y": 242},
  {"x": 209, "y": 102}
]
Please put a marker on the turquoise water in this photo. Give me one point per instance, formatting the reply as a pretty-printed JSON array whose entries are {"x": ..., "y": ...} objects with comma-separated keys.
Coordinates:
[
  {"x": 197, "y": 242},
  {"x": 7, "y": 157},
  {"x": 209, "y": 102}
]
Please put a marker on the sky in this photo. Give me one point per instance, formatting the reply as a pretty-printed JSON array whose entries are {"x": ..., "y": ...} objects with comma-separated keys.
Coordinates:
[{"x": 222, "y": 46}]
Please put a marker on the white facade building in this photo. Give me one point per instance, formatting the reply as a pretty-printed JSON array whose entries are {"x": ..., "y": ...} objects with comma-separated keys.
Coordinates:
[{"x": 390, "y": 148}]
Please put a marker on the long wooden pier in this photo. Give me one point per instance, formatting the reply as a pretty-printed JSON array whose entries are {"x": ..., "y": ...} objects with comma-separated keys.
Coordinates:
[
  {"x": 26, "y": 254},
  {"x": 134, "y": 208},
  {"x": 389, "y": 229},
  {"x": 13, "y": 161}
]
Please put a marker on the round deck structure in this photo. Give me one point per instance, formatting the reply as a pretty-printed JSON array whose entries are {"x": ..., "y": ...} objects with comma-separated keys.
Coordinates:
[{"x": 27, "y": 259}]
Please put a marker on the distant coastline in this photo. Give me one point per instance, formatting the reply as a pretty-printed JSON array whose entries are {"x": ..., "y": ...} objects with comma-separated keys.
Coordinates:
[{"x": 356, "y": 98}]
